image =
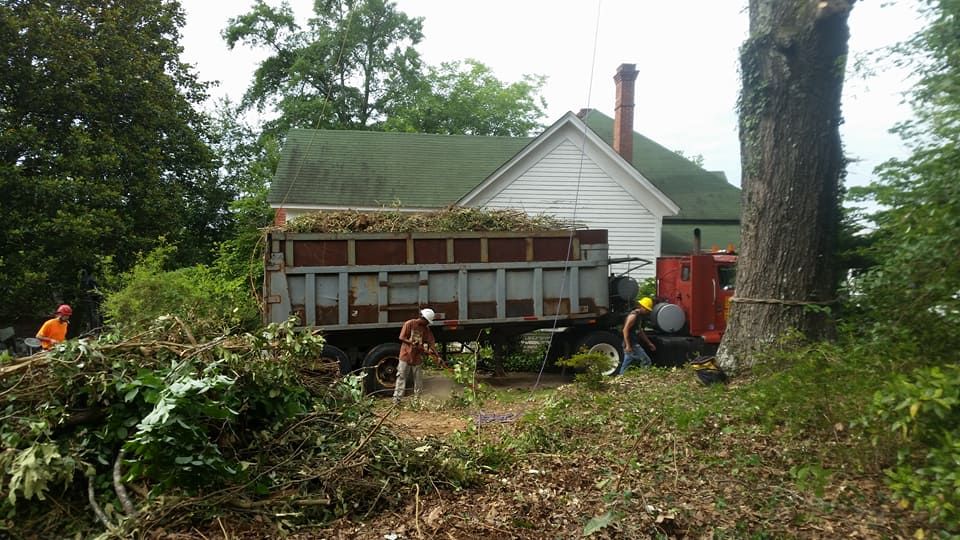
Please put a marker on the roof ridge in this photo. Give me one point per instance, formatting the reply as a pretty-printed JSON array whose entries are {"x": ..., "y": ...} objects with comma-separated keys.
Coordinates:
[{"x": 367, "y": 132}]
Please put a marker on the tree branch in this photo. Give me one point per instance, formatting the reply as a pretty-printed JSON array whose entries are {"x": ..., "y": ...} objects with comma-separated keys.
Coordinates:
[
  {"x": 118, "y": 486},
  {"x": 91, "y": 496}
]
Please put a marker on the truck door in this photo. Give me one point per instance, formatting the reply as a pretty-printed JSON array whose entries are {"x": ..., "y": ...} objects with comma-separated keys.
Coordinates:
[{"x": 706, "y": 308}]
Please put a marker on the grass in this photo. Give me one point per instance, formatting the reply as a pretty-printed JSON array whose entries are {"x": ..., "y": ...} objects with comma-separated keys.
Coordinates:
[{"x": 776, "y": 454}]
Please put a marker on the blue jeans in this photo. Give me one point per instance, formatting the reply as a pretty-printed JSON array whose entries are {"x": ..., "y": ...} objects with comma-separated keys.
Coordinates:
[{"x": 637, "y": 354}]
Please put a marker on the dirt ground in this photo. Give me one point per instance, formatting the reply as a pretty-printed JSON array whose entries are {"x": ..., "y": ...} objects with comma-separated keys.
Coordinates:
[{"x": 429, "y": 417}]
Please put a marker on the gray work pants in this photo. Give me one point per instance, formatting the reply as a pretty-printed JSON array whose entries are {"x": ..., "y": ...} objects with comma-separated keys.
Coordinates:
[{"x": 405, "y": 370}]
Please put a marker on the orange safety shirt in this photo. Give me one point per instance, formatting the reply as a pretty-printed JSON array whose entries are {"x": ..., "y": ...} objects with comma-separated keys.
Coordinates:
[{"x": 53, "y": 329}]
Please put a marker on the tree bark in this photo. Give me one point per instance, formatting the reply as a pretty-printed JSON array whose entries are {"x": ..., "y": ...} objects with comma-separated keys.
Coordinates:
[{"x": 792, "y": 69}]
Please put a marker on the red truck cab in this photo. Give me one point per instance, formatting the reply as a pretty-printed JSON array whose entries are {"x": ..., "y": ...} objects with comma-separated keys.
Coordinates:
[{"x": 702, "y": 285}]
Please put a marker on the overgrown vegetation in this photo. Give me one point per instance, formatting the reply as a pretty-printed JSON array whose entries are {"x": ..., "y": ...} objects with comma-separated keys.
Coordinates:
[
  {"x": 160, "y": 429},
  {"x": 216, "y": 301},
  {"x": 909, "y": 297},
  {"x": 923, "y": 409}
]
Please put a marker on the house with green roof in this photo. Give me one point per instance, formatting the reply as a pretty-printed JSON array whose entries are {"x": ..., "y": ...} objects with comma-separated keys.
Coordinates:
[
  {"x": 707, "y": 201},
  {"x": 588, "y": 169}
]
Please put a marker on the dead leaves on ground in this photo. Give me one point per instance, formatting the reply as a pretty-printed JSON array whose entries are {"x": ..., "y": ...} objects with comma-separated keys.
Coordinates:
[{"x": 708, "y": 482}]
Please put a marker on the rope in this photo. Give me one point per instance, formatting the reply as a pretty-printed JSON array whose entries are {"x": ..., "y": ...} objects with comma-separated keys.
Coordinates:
[
  {"x": 783, "y": 302},
  {"x": 576, "y": 203},
  {"x": 494, "y": 418}
]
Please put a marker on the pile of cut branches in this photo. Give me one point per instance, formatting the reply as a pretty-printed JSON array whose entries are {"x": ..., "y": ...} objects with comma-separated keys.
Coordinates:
[
  {"x": 134, "y": 433},
  {"x": 450, "y": 219}
]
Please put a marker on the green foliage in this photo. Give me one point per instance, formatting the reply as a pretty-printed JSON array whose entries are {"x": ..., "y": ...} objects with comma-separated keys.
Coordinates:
[
  {"x": 340, "y": 71},
  {"x": 34, "y": 470},
  {"x": 590, "y": 369},
  {"x": 466, "y": 99},
  {"x": 162, "y": 412},
  {"x": 171, "y": 443},
  {"x": 602, "y": 521},
  {"x": 525, "y": 360},
  {"x": 908, "y": 297},
  {"x": 248, "y": 161},
  {"x": 232, "y": 418},
  {"x": 811, "y": 387},
  {"x": 465, "y": 375},
  {"x": 811, "y": 477},
  {"x": 924, "y": 409},
  {"x": 103, "y": 151},
  {"x": 355, "y": 66},
  {"x": 199, "y": 293},
  {"x": 648, "y": 287},
  {"x": 915, "y": 281}
]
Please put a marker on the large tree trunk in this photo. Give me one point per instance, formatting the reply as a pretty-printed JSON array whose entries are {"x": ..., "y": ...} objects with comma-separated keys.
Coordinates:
[{"x": 792, "y": 67}]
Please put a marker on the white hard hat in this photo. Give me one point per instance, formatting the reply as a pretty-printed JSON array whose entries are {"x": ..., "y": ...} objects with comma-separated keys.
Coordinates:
[{"x": 427, "y": 314}]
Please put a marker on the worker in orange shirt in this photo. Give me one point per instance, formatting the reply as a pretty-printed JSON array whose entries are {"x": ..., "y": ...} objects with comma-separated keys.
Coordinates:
[{"x": 55, "y": 330}]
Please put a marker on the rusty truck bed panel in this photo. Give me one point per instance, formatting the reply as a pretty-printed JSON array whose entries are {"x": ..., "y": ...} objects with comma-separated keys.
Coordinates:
[{"x": 363, "y": 280}]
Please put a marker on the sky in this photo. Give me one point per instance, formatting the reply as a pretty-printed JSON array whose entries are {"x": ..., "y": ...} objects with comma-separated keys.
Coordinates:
[{"x": 685, "y": 50}]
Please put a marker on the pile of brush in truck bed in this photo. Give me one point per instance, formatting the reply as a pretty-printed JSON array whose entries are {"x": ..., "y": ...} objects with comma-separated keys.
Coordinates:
[{"x": 450, "y": 219}]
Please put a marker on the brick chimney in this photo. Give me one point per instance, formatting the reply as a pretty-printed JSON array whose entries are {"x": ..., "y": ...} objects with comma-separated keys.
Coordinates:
[
  {"x": 623, "y": 111},
  {"x": 280, "y": 217}
]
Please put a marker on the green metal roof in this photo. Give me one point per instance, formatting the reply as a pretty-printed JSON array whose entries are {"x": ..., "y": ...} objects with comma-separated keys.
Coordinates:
[
  {"x": 369, "y": 168},
  {"x": 700, "y": 194}
]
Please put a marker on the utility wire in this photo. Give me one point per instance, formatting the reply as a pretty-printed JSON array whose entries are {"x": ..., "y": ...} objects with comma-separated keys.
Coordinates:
[
  {"x": 576, "y": 202},
  {"x": 323, "y": 111}
]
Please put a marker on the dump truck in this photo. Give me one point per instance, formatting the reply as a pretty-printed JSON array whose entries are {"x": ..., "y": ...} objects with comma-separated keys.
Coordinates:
[{"x": 359, "y": 288}]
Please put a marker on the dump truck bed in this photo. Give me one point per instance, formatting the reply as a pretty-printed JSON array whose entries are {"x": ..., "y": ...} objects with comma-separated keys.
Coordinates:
[{"x": 365, "y": 281}]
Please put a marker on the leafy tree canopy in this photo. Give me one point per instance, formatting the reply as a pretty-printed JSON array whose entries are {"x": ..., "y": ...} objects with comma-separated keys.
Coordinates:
[
  {"x": 466, "y": 98},
  {"x": 355, "y": 66},
  {"x": 103, "y": 150},
  {"x": 338, "y": 72},
  {"x": 916, "y": 283}
]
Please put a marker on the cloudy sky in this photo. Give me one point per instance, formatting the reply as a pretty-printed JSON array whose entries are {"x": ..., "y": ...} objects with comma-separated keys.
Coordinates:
[{"x": 686, "y": 52}]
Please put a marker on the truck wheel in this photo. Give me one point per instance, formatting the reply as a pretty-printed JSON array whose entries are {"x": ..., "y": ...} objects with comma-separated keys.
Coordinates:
[
  {"x": 337, "y": 356},
  {"x": 605, "y": 343},
  {"x": 381, "y": 365}
]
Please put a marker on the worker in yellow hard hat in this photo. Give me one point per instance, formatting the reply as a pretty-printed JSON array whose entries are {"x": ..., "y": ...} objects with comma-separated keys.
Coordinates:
[{"x": 633, "y": 335}]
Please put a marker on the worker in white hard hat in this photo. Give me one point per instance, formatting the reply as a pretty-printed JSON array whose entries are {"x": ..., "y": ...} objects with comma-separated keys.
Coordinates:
[
  {"x": 633, "y": 335},
  {"x": 416, "y": 340}
]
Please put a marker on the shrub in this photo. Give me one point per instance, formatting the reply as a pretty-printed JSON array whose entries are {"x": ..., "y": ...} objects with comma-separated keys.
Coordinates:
[
  {"x": 590, "y": 368},
  {"x": 924, "y": 409},
  {"x": 214, "y": 303}
]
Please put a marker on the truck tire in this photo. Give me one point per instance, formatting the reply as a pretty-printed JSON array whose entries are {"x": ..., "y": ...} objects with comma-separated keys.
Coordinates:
[
  {"x": 606, "y": 343},
  {"x": 380, "y": 368},
  {"x": 336, "y": 355}
]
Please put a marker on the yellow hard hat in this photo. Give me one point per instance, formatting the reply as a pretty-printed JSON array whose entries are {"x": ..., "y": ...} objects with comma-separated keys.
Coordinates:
[{"x": 646, "y": 302}]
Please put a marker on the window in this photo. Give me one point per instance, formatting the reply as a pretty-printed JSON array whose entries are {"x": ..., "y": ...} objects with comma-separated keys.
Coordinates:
[{"x": 728, "y": 277}]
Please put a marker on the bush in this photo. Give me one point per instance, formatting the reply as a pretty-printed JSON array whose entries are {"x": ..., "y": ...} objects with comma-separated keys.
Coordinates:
[
  {"x": 924, "y": 409},
  {"x": 214, "y": 303},
  {"x": 814, "y": 386},
  {"x": 590, "y": 368}
]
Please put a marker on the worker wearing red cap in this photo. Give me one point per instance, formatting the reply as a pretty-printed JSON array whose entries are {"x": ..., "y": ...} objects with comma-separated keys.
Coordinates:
[{"x": 55, "y": 330}]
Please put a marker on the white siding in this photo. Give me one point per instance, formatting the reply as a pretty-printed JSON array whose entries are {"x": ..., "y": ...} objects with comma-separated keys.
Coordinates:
[{"x": 564, "y": 185}]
